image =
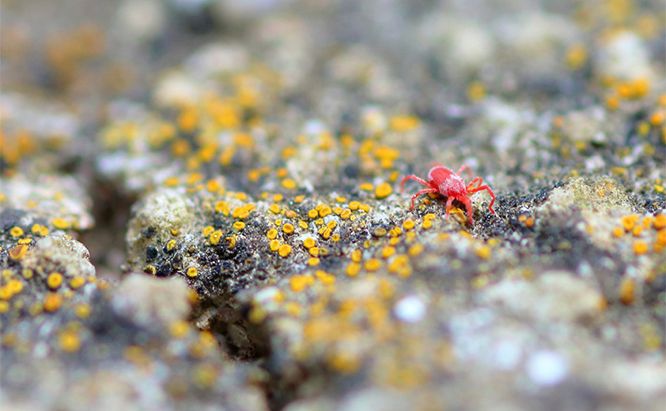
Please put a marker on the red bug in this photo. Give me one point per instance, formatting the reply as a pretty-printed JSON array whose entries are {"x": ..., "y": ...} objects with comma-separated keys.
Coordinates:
[{"x": 444, "y": 181}]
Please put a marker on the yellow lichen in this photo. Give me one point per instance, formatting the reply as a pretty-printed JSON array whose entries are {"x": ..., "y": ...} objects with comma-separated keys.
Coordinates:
[
  {"x": 284, "y": 250},
  {"x": 54, "y": 280}
]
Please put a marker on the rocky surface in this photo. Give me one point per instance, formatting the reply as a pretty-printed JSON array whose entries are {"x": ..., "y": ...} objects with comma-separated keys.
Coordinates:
[{"x": 235, "y": 171}]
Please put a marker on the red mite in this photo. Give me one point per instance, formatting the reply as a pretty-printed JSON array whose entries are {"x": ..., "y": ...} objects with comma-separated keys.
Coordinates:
[{"x": 444, "y": 181}]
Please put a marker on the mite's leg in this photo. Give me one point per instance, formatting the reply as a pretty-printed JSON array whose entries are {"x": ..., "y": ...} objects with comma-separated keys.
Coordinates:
[
  {"x": 449, "y": 204},
  {"x": 470, "y": 211},
  {"x": 475, "y": 181},
  {"x": 415, "y": 178},
  {"x": 492, "y": 195},
  {"x": 465, "y": 168},
  {"x": 419, "y": 193}
]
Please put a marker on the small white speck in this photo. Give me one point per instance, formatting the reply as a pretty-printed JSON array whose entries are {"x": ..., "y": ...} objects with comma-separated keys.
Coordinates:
[
  {"x": 410, "y": 309},
  {"x": 507, "y": 355},
  {"x": 314, "y": 127},
  {"x": 547, "y": 368},
  {"x": 266, "y": 295}
]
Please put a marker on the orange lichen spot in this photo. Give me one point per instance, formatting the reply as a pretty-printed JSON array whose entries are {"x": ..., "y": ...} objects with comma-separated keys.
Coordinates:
[
  {"x": 629, "y": 221},
  {"x": 354, "y": 205},
  {"x": 395, "y": 232},
  {"x": 215, "y": 237},
  {"x": 659, "y": 222},
  {"x": 299, "y": 282},
  {"x": 208, "y": 230},
  {"x": 483, "y": 252},
  {"x": 476, "y": 91},
  {"x": 387, "y": 252},
  {"x": 4, "y": 307},
  {"x": 314, "y": 251},
  {"x": 82, "y": 310},
  {"x": 313, "y": 213},
  {"x": 299, "y": 199},
  {"x": 429, "y": 217},
  {"x": 627, "y": 290},
  {"x": 27, "y": 273},
  {"x": 373, "y": 264},
  {"x": 661, "y": 238},
  {"x": 254, "y": 175},
  {"x": 60, "y": 223},
  {"x": 309, "y": 242},
  {"x": 172, "y": 181},
  {"x": 77, "y": 282},
  {"x": 400, "y": 265},
  {"x": 288, "y": 183},
  {"x": 408, "y": 224},
  {"x": 12, "y": 288},
  {"x": 272, "y": 234},
  {"x": 345, "y": 214},
  {"x": 313, "y": 261},
  {"x": 188, "y": 119},
  {"x": 404, "y": 123},
  {"x": 222, "y": 207},
  {"x": 54, "y": 280},
  {"x": 284, "y": 250},
  {"x": 647, "y": 222},
  {"x": 526, "y": 220},
  {"x": 239, "y": 226},
  {"x": 179, "y": 329},
  {"x": 274, "y": 208},
  {"x": 415, "y": 250},
  {"x": 192, "y": 272},
  {"x": 288, "y": 228},
  {"x": 274, "y": 245},
  {"x": 243, "y": 212},
  {"x": 170, "y": 245},
  {"x": 40, "y": 230},
  {"x": 325, "y": 278},
  {"x": 612, "y": 102},
  {"x": 657, "y": 118},
  {"x": 343, "y": 363},
  {"x": 18, "y": 252},
  {"x": 323, "y": 210},
  {"x": 383, "y": 190},
  {"x": 366, "y": 186},
  {"x": 640, "y": 247},
  {"x": 640, "y": 87},
  {"x": 5, "y": 293},
  {"x": 293, "y": 309},
  {"x": 353, "y": 269},
  {"x": 576, "y": 56},
  {"x": 618, "y": 232},
  {"x": 213, "y": 186},
  {"x": 69, "y": 341},
  {"x": 7, "y": 274},
  {"x": 16, "y": 231},
  {"x": 52, "y": 302},
  {"x": 281, "y": 172}
]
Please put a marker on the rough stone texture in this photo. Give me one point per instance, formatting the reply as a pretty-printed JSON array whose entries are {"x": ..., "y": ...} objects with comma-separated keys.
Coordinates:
[{"x": 249, "y": 157}]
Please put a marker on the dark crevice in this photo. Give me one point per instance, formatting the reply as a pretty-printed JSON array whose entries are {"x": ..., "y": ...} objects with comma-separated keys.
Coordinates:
[{"x": 106, "y": 240}]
